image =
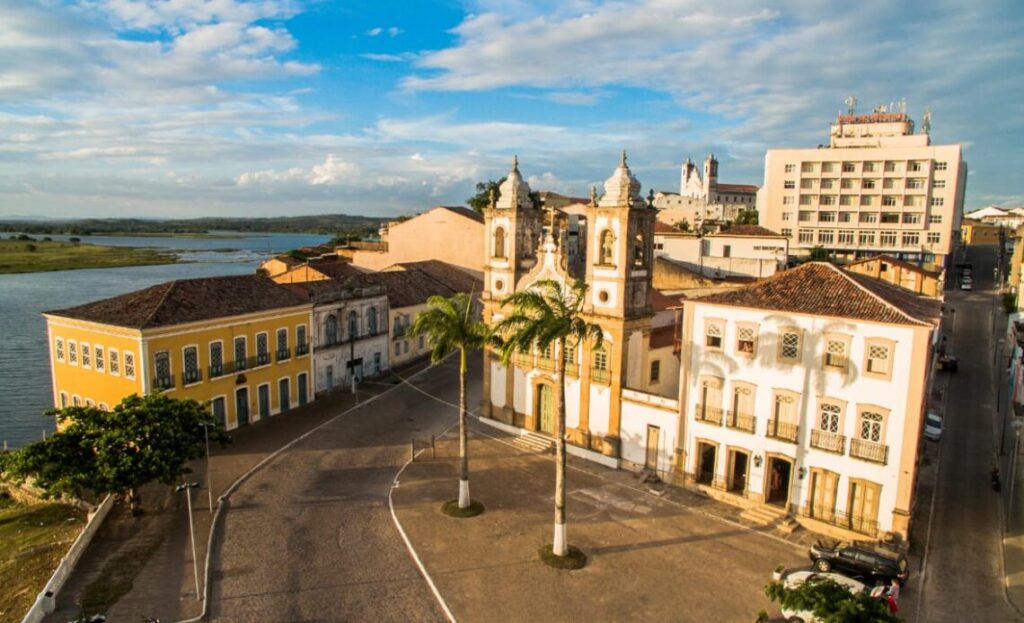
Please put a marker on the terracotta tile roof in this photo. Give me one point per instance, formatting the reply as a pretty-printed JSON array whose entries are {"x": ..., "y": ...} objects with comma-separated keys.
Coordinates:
[
  {"x": 662, "y": 336},
  {"x": 456, "y": 279},
  {"x": 665, "y": 228},
  {"x": 404, "y": 288},
  {"x": 897, "y": 262},
  {"x": 461, "y": 211},
  {"x": 661, "y": 301},
  {"x": 748, "y": 230},
  {"x": 187, "y": 300},
  {"x": 335, "y": 267},
  {"x": 821, "y": 289},
  {"x": 737, "y": 188}
]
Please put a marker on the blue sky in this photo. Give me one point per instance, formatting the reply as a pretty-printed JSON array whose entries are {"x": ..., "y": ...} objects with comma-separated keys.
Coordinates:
[{"x": 274, "y": 107}]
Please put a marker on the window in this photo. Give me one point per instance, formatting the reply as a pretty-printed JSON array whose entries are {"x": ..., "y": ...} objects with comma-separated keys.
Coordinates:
[
  {"x": 878, "y": 358},
  {"x": 845, "y": 217},
  {"x": 600, "y": 359},
  {"x": 934, "y": 218},
  {"x": 405, "y": 346},
  {"x": 713, "y": 335},
  {"x": 59, "y": 349},
  {"x": 86, "y": 361},
  {"x": 915, "y": 182},
  {"x": 788, "y": 200},
  {"x": 849, "y": 167},
  {"x": 806, "y": 184},
  {"x": 240, "y": 354},
  {"x": 726, "y": 250},
  {"x": 911, "y": 238},
  {"x": 845, "y": 236},
  {"x": 805, "y": 216},
  {"x": 911, "y": 200},
  {"x": 371, "y": 321},
  {"x": 606, "y": 248},
  {"x": 826, "y": 183},
  {"x": 829, "y": 418},
  {"x": 790, "y": 168},
  {"x": 846, "y": 183},
  {"x": 835, "y": 353},
  {"x": 639, "y": 251},
  {"x": 890, "y": 217},
  {"x": 282, "y": 344},
  {"x": 806, "y": 235},
  {"x": 869, "y": 167},
  {"x": 655, "y": 371},
  {"x": 89, "y": 403},
  {"x": 888, "y": 200},
  {"x": 866, "y": 237},
  {"x": 827, "y": 217},
  {"x": 99, "y": 358},
  {"x": 868, "y": 184},
  {"x": 190, "y": 358},
  {"x": 745, "y": 338},
  {"x": 63, "y": 400},
  {"x": 891, "y": 167},
  {"x": 934, "y": 237},
  {"x": 867, "y": 200},
  {"x": 331, "y": 329},
  {"x": 789, "y": 345},
  {"x": 938, "y": 183},
  {"x": 806, "y": 200},
  {"x": 301, "y": 346},
  {"x": 941, "y": 166},
  {"x": 262, "y": 349},
  {"x": 828, "y": 167},
  {"x": 76, "y": 401},
  {"x": 912, "y": 218},
  {"x": 871, "y": 426},
  {"x": 868, "y": 217},
  {"x": 787, "y": 232},
  {"x": 828, "y": 200},
  {"x": 162, "y": 368},
  {"x": 936, "y": 201},
  {"x": 807, "y": 167},
  {"x": 889, "y": 183},
  {"x": 846, "y": 200},
  {"x": 915, "y": 166},
  {"x": 398, "y": 348},
  {"x": 129, "y": 364},
  {"x": 825, "y": 237},
  {"x": 216, "y": 358},
  {"x": 103, "y": 406},
  {"x": 499, "y": 242},
  {"x": 790, "y": 184},
  {"x": 115, "y": 362},
  {"x": 887, "y": 238},
  {"x": 787, "y": 216}
]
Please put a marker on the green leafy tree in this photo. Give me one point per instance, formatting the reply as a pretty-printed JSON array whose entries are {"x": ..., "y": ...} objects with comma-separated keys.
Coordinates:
[
  {"x": 683, "y": 225},
  {"x": 819, "y": 254},
  {"x": 144, "y": 439},
  {"x": 450, "y": 324},
  {"x": 747, "y": 217},
  {"x": 482, "y": 198},
  {"x": 546, "y": 315},
  {"x": 830, "y": 602}
]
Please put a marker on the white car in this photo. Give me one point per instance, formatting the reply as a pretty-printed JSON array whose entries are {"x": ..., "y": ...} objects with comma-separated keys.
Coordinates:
[
  {"x": 966, "y": 285},
  {"x": 932, "y": 427},
  {"x": 796, "y": 578}
]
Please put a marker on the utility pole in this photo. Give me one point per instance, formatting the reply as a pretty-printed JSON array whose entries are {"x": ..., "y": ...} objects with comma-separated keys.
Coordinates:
[
  {"x": 187, "y": 488},
  {"x": 209, "y": 473}
]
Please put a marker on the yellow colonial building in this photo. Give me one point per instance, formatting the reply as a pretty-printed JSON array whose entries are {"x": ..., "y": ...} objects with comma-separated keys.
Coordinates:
[{"x": 239, "y": 342}]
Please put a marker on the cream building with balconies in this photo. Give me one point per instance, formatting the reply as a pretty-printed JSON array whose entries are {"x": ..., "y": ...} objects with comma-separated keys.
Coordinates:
[{"x": 876, "y": 188}]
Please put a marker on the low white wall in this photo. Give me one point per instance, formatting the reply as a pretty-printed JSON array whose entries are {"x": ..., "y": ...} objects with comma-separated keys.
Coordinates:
[{"x": 46, "y": 601}]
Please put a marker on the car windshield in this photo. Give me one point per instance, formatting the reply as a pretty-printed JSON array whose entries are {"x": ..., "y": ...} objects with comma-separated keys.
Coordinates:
[{"x": 934, "y": 421}]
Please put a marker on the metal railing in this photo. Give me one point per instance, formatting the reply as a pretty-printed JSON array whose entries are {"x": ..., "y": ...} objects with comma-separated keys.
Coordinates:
[
  {"x": 602, "y": 376},
  {"x": 740, "y": 421},
  {"x": 829, "y": 515},
  {"x": 709, "y": 414},
  {"x": 302, "y": 349},
  {"x": 572, "y": 369},
  {"x": 191, "y": 376},
  {"x": 785, "y": 431},
  {"x": 284, "y": 354},
  {"x": 830, "y": 442},
  {"x": 214, "y": 372},
  {"x": 262, "y": 359},
  {"x": 869, "y": 451},
  {"x": 240, "y": 364},
  {"x": 163, "y": 382},
  {"x": 545, "y": 363}
]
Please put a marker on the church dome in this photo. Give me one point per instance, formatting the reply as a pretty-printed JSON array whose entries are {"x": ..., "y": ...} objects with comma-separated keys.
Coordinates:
[
  {"x": 514, "y": 191},
  {"x": 621, "y": 189}
]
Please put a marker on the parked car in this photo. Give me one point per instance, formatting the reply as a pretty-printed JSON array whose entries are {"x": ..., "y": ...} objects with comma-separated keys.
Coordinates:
[
  {"x": 966, "y": 285},
  {"x": 859, "y": 560},
  {"x": 948, "y": 363},
  {"x": 796, "y": 578},
  {"x": 932, "y": 427}
]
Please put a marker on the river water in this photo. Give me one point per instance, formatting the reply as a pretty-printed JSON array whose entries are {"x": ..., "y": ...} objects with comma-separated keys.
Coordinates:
[{"x": 25, "y": 386}]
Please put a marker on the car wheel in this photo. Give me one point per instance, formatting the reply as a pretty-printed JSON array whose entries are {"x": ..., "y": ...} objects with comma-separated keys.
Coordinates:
[{"x": 822, "y": 565}]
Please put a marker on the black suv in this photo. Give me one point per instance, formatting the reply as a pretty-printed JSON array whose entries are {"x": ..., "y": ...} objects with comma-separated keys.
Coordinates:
[{"x": 859, "y": 560}]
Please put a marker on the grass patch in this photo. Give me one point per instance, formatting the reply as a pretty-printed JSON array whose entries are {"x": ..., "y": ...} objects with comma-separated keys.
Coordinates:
[
  {"x": 36, "y": 256},
  {"x": 451, "y": 508},
  {"x": 574, "y": 559},
  {"x": 33, "y": 539}
]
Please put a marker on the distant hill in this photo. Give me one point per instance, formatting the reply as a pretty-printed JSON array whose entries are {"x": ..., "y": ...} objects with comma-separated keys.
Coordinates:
[{"x": 318, "y": 224}]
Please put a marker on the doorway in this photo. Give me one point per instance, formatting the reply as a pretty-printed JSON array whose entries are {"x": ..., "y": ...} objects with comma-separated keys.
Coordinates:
[
  {"x": 651, "y": 459},
  {"x": 823, "y": 494},
  {"x": 546, "y": 408},
  {"x": 706, "y": 455},
  {"x": 242, "y": 405},
  {"x": 263, "y": 399},
  {"x": 738, "y": 468},
  {"x": 283, "y": 395},
  {"x": 302, "y": 382},
  {"x": 330, "y": 377},
  {"x": 863, "y": 505},
  {"x": 779, "y": 475}
]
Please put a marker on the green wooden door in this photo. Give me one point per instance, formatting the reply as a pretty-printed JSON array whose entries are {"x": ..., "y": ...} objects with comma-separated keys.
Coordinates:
[{"x": 546, "y": 408}]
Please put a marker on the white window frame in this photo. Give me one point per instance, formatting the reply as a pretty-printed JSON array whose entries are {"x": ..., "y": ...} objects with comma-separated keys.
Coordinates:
[
  {"x": 59, "y": 353},
  {"x": 113, "y": 355}
]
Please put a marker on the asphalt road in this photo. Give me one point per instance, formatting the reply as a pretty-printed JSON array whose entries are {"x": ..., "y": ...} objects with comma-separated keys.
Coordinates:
[
  {"x": 310, "y": 537},
  {"x": 964, "y": 576}
]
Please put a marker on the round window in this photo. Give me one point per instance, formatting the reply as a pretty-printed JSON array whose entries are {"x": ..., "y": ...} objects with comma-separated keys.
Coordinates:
[
  {"x": 499, "y": 285},
  {"x": 602, "y": 296}
]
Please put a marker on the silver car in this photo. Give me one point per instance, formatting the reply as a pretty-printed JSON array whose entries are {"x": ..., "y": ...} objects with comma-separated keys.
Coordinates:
[{"x": 932, "y": 427}]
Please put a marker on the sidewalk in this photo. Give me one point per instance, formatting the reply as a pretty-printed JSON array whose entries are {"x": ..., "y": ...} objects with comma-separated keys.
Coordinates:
[
  {"x": 146, "y": 563},
  {"x": 653, "y": 552}
]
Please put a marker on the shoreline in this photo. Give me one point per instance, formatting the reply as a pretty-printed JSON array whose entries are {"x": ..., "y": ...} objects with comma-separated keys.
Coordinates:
[{"x": 19, "y": 257}]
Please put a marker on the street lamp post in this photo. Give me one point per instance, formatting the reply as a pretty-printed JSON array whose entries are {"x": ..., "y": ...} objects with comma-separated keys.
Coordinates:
[
  {"x": 209, "y": 473},
  {"x": 187, "y": 488}
]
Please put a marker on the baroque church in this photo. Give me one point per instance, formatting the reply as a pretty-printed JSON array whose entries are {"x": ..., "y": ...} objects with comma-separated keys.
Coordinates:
[{"x": 621, "y": 399}]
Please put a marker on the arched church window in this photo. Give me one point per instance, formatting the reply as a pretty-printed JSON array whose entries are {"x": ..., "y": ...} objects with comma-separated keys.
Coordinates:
[
  {"x": 607, "y": 247},
  {"x": 639, "y": 252},
  {"x": 499, "y": 242}
]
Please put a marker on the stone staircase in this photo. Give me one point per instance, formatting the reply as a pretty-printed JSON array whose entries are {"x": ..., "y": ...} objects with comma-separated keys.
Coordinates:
[
  {"x": 534, "y": 443},
  {"x": 772, "y": 517}
]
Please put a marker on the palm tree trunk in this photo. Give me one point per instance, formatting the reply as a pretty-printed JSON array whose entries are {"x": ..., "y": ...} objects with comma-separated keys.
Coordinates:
[
  {"x": 464, "y": 498},
  {"x": 560, "y": 546}
]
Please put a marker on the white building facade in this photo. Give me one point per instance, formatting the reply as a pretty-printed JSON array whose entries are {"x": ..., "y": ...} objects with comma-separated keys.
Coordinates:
[
  {"x": 739, "y": 251},
  {"x": 350, "y": 336}
]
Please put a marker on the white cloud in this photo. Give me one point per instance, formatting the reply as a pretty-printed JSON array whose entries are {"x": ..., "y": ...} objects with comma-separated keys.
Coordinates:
[
  {"x": 394, "y": 31},
  {"x": 373, "y": 32},
  {"x": 404, "y": 57}
]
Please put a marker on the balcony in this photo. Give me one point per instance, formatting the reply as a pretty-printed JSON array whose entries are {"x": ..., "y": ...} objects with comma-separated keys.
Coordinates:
[
  {"x": 163, "y": 382},
  {"x": 189, "y": 377},
  {"x": 602, "y": 376},
  {"x": 708, "y": 414},
  {"x": 784, "y": 431},
  {"x": 829, "y": 515},
  {"x": 829, "y": 442},
  {"x": 545, "y": 363},
  {"x": 284, "y": 354},
  {"x": 262, "y": 359},
  {"x": 215, "y": 371},
  {"x": 869, "y": 451},
  {"x": 302, "y": 349},
  {"x": 240, "y": 364},
  {"x": 740, "y": 421},
  {"x": 572, "y": 369}
]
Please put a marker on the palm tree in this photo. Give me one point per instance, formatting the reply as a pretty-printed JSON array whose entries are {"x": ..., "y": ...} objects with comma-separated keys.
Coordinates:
[
  {"x": 549, "y": 313},
  {"x": 450, "y": 325}
]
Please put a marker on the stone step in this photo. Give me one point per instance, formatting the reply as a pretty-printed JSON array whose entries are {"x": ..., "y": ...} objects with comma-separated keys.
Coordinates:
[
  {"x": 763, "y": 515},
  {"x": 532, "y": 442},
  {"x": 788, "y": 525}
]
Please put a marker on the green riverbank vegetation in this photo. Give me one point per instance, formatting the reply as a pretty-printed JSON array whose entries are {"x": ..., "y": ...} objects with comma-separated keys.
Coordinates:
[{"x": 29, "y": 255}]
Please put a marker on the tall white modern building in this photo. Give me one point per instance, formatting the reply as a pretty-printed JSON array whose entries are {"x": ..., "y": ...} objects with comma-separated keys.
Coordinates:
[{"x": 877, "y": 187}]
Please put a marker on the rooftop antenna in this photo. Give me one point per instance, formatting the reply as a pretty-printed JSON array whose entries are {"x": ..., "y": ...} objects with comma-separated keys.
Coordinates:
[
  {"x": 926, "y": 120},
  {"x": 851, "y": 104}
]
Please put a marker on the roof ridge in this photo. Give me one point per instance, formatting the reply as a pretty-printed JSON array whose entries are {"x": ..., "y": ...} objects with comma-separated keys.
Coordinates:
[
  {"x": 159, "y": 304},
  {"x": 860, "y": 286}
]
